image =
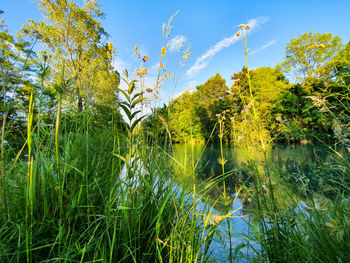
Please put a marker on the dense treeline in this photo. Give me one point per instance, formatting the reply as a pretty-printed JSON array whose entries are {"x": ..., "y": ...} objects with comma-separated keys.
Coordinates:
[
  {"x": 314, "y": 108},
  {"x": 64, "y": 57}
]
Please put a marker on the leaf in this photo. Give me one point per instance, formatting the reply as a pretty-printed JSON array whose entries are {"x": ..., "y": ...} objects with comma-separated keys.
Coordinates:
[
  {"x": 58, "y": 88},
  {"x": 136, "y": 122},
  {"x": 131, "y": 86},
  {"x": 126, "y": 73},
  {"x": 137, "y": 101},
  {"x": 134, "y": 114},
  {"x": 122, "y": 158},
  {"x": 125, "y": 103},
  {"x": 136, "y": 95},
  {"x": 125, "y": 94},
  {"x": 123, "y": 207},
  {"x": 126, "y": 110}
]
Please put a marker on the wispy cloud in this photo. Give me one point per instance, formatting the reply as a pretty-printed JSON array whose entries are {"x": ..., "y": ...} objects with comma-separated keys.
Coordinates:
[
  {"x": 203, "y": 60},
  {"x": 258, "y": 50},
  {"x": 177, "y": 42}
]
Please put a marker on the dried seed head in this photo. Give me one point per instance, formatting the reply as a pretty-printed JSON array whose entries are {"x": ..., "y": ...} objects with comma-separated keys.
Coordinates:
[
  {"x": 186, "y": 56},
  {"x": 136, "y": 52},
  {"x": 109, "y": 46},
  {"x": 144, "y": 71},
  {"x": 163, "y": 51}
]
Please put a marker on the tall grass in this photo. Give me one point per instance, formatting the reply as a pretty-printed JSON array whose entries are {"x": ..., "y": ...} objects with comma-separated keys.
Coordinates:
[
  {"x": 70, "y": 200},
  {"x": 80, "y": 193},
  {"x": 291, "y": 230},
  {"x": 315, "y": 228}
]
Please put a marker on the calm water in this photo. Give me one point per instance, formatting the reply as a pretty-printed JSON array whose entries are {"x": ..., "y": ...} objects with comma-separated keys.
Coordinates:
[{"x": 293, "y": 164}]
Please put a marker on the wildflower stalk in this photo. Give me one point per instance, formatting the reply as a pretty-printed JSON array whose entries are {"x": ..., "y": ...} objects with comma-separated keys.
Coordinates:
[
  {"x": 30, "y": 187},
  {"x": 57, "y": 130},
  {"x": 3, "y": 177},
  {"x": 223, "y": 161},
  {"x": 128, "y": 106},
  {"x": 250, "y": 87}
]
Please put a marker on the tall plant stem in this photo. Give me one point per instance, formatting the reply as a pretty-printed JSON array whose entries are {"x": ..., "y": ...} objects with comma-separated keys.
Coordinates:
[
  {"x": 30, "y": 181},
  {"x": 3, "y": 162},
  {"x": 251, "y": 92},
  {"x": 223, "y": 161},
  {"x": 58, "y": 120}
]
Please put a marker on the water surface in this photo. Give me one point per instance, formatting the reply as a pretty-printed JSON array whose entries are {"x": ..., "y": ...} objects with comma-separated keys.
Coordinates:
[{"x": 294, "y": 165}]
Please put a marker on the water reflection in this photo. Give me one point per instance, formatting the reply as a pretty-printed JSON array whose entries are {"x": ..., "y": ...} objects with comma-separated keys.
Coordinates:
[
  {"x": 290, "y": 171},
  {"x": 288, "y": 162}
]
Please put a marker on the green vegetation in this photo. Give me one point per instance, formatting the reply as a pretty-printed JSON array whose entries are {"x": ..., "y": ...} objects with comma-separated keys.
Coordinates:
[
  {"x": 82, "y": 183},
  {"x": 315, "y": 108}
]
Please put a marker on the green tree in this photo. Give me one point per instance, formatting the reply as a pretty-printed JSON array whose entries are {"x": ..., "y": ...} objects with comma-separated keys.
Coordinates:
[
  {"x": 74, "y": 37},
  {"x": 268, "y": 85},
  {"x": 13, "y": 64},
  {"x": 309, "y": 54},
  {"x": 184, "y": 122},
  {"x": 212, "y": 90}
]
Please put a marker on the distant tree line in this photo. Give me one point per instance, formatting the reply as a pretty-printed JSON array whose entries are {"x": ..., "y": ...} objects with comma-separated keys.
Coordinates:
[{"x": 314, "y": 108}]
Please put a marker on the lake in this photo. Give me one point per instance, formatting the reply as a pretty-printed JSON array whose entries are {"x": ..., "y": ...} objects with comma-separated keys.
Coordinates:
[{"x": 291, "y": 168}]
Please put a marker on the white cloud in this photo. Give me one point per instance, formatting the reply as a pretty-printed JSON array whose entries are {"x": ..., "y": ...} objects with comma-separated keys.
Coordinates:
[
  {"x": 177, "y": 42},
  {"x": 256, "y": 22},
  {"x": 203, "y": 60},
  {"x": 258, "y": 50}
]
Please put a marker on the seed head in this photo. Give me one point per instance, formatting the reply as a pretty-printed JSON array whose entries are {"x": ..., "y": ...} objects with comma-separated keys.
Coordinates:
[
  {"x": 136, "y": 52},
  {"x": 163, "y": 51},
  {"x": 109, "y": 46},
  {"x": 144, "y": 71},
  {"x": 186, "y": 56}
]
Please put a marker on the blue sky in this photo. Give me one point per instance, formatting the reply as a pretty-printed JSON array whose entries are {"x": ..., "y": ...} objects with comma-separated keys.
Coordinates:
[{"x": 205, "y": 25}]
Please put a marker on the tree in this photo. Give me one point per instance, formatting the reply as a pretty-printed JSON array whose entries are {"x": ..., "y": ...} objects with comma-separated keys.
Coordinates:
[
  {"x": 212, "y": 90},
  {"x": 309, "y": 54},
  {"x": 74, "y": 38},
  {"x": 13, "y": 58},
  {"x": 184, "y": 122}
]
